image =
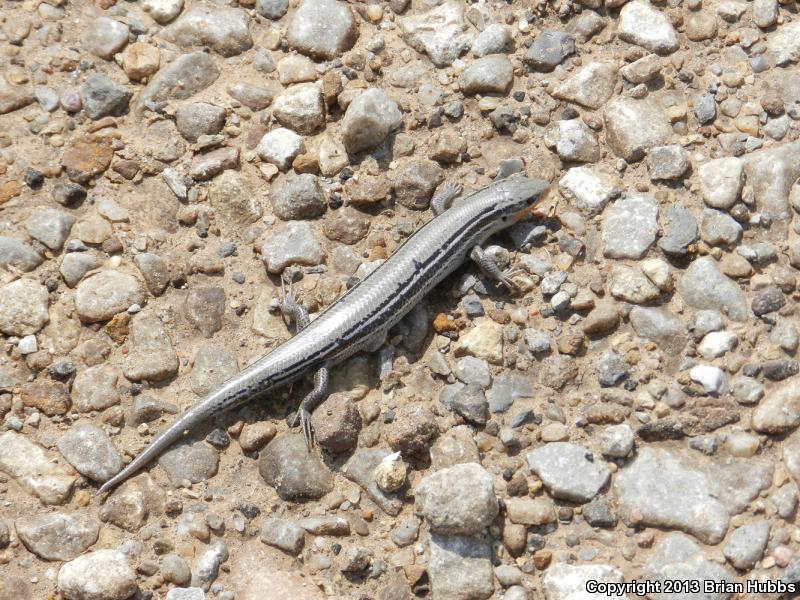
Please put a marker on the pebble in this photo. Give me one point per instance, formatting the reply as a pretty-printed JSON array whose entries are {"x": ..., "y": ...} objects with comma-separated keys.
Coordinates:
[
  {"x": 232, "y": 197},
  {"x": 23, "y": 307},
  {"x": 191, "y": 593},
  {"x": 416, "y": 182},
  {"x": 611, "y": 369},
  {"x": 468, "y": 401},
  {"x": 152, "y": 356},
  {"x": 643, "y": 69},
  {"x": 491, "y": 74},
  {"x": 721, "y": 181},
  {"x": 272, "y": 9},
  {"x": 659, "y": 491},
  {"x": 441, "y": 498},
  {"x": 280, "y": 147},
  {"x": 711, "y": 378},
  {"x": 369, "y": 119},
  {"x": 645, "y": 26},
  {"x": 563, "y": 580},
  {"x": 294, "y": 473},
  {"x": 629, "y": 227},
  {"x": 322, "y": 29},
  {"x": 206, "y": 567},
  {"x": 443, "y": 43},
  {"x": 57, "y": 536},
  {"x": 181, "y": 79},
  {"x": 204, "y": 308},
  {"x": 530, "y": 511},
  {"x": 105, "y": 37},
  {"x": 483, "y": 341},
  {"x": 293, "y": 243},
  {"x": 495, "y": 39},
  {"x": 50, "y": 226},
  {"x": 95, "y": 389},
  {"x": 103, "y": 295},
  {"x": 299, "y": 197},
  {"x": 460, "y": 567},
  {"x": 199, "y": 118},
  {"x": 98, "y": 575},
  {"x": 102, "y": 97},
  {"x": 586, "y": 190},
  {"x": 632, "y": 286},
  {"x": 633, "y": 126},
  {"x": 224, "y": 30},
  {"x": 361, "y": 467},
  {"x": 667, "y": 162},
  {"x": 549, "y": 49},
  {"x": 300, "y": 108},
  {"x": 212, "y": 366},
  {"x": 209, "y": 165},
  {"x": 717, "y": 343},
  {"x": 782, "y": 43},
  {"x": 680, "y": 233},
  {"x": 573, "y": 141},
  {"x": 703, "y": 286},
  {"x": 567, "y": 472},
  {"x": 591, "y": 86},
  {"x": 89, "y": 449},
  {"x": 779, "y": 411},
  {"x": 14, "y": 253},
  {"x": 284, "y": 535},
  {"x": 175, "y": 570},
  {"x": 718, "y": 228},
  {"x": 337, "y": 423},
  {"x": 677, "y": 556},
  {"x": 129, "y": 506}
]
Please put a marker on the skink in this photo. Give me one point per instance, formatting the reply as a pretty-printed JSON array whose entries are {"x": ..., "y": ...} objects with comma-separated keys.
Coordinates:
[{"x": 369, "y": 309}]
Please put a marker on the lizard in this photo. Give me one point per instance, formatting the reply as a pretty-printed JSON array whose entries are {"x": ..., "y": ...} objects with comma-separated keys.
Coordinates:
[{"x": 365, "y": 312}]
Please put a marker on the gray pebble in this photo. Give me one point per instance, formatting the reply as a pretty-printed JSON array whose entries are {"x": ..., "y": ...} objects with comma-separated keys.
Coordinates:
[{"x": 89, "y": 449}]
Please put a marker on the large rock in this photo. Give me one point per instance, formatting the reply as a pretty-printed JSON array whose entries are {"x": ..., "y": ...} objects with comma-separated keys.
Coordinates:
[
  {"x": 783, "y": 44},
  {"x": 322, "y": 29},
  {"x": 224, "y": 30},
  {"x": 34, "y": 469},
  {"x": 567, "y": 471},
  {"x": 634, "y": 126},
  {"x": 657, "y": 490},
  {"x": 703, "y": 286},
  {"x": 643, "y": 25}
]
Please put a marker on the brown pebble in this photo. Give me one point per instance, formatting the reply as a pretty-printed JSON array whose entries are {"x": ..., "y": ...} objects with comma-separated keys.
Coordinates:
[{"x": 542, "y": 558}]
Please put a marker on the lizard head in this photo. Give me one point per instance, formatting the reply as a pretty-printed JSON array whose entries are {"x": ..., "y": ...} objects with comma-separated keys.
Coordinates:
[{"x": 517, "y": 196}]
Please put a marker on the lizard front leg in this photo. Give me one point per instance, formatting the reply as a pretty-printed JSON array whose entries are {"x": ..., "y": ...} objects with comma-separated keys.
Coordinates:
[
  {"x": 489, "y": 268},
  {"x": 443, "y": 199},
  {"x": 296, "y": 312}
]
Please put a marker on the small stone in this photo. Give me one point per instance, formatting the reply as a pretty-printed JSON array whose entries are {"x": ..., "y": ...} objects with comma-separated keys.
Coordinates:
[
  {"x": 57, "y": 536},
  {"x": 591, "y": 86},
  {"x": 181, "y": 79},
  {"x": 212, "y": 367},
  {"x": 50, "y": 226},
  {"x": 369, "y": 119},
  {"x": 300, "y": 108},
  {"x": 678, "y": 557},
  {"x": 98, "y": 575},
  {"x": 680, "y": 231},
  {"x": 563, "y": 580},
  {"x": 746, "y": 390},
  {"x": 629, "y": 227},
  {"x": 175, "y": 570},
  {"x": 642, "y": 70},
  {"x": 439, "y": 33},
  {"x": 86, "y": 158},
  {"x": 95, "y": 389},
  {"x": 711, "y": 378},
  {"x": 162, "y": 11},
  {"x": 716, "y": 344},
  {"x": 767, "y": 301},
  {"x": 284, "y": 535},
  {"x": 645, "y": 26},
  {"x": 337, "y": 424},
  {"x": 49, "y": 397},
  {"x": 460, "y": 568},
  {"x": 667, "y": 162},
  {"x": 616, "y": 441},
  {"x": 634, "y": 126},
  {"x": 105, "y": 294},
  {"x": 495, "y": 39},
  {"x": 322, "y": 29},
  {"x": 779, "y": 412},
  {"x": 233, "y": 198},
  {"x": 783, "y": 44},
  {"x": 209, "y": 165},
  {"x": 129, "y": 506},
  {"x": 484, "y": 340},
  {"x": 87, "y": 448},
  {"x": 194, "y": 462},
  {"x": 272, "y": 9},
  {"x": 23, "y": 307},
  {"x": 14, "y": 97},
  {"x": 255, "y": 436},
  {"x": 204, "y": 309},
  {"x": 549, "y": 49},
  {"x": 199, "y": 118},
  {"x": 491, "y": 74},
  {"x": 701, "y": 25},
  {"x": 152, "y": 356},
  {"x": 254, "y": 97},
  {"x": 632, "y": 286},
  {"x": 105, "y": 37},
  {"x": 293, "y": 243},
  {"x": 530, "y": 511},
  {"x": 102, "y": 97},
  {"x": 573, "y": 141},
  {"x": 703, "y": 286},
  {"x": 586, "y": 190},
  {"x": 224, "y": 30},
  {"x": 611, "y": 369},
  {"x": 719, "y": 228},
  {"x": 35, "y": 470},
  {"x": 294, "y": 473},
  {"x": 721, "y": 181},
  {"x": 416, "y": 181},
  {"x": 280, "y": 147},
  {"x": 567, "y": 471},
  {"x": 300, "y": 197}
]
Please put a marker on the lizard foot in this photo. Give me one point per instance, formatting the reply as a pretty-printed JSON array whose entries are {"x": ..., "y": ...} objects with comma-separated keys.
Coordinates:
[{"x": 303, "y": 419}]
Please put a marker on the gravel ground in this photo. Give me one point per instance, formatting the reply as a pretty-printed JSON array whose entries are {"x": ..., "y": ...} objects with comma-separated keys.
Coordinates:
[{"x": 629, "y": 413}]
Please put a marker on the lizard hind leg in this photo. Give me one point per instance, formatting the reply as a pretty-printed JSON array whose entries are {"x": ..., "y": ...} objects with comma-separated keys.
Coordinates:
[
  {"x": 489, "y": 268},
  {"x": 313, "y": 399}
]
